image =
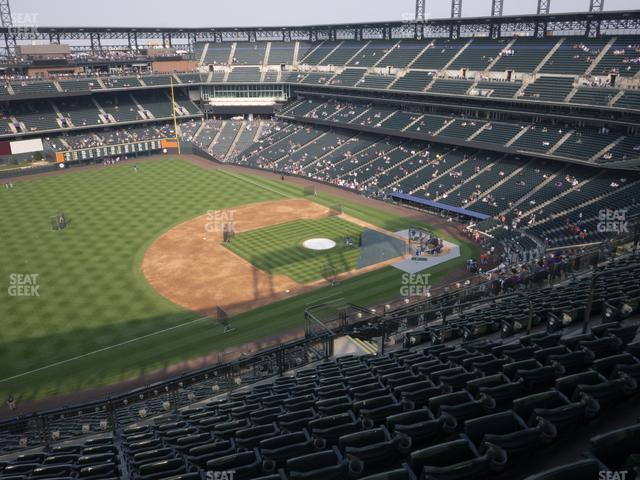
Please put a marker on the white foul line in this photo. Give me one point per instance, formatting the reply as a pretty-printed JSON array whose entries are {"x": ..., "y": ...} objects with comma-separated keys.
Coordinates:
[
  {"x": 265, "y": 187},
  {"x": 104, "y": 349}
]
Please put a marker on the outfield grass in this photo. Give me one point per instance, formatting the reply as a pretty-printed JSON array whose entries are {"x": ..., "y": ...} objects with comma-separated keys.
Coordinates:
[
  {"x": 278, "y": 249},
  {"x": 92, "y": 294}
]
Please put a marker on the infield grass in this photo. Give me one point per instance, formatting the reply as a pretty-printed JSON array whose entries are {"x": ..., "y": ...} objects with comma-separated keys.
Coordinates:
[
  {"x": 96, "y": 320},
  {"x": 278, "y": 249}
]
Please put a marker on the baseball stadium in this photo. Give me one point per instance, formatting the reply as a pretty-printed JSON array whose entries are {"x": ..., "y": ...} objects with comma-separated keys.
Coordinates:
[{"x": 328, "y": 245}]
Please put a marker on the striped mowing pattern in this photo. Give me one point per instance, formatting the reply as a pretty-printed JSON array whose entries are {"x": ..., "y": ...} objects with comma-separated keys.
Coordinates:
[{"x": 278, "y": 249}]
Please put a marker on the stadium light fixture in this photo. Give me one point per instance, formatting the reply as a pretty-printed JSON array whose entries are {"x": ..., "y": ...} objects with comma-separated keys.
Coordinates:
[
  {"x": 7, "y": 22},
  {"x": 497, "y": 8},
  {"x": 456, "y": 8},
  {"x": 420, "y": 10},
  {"x": 544, "y": 7}
]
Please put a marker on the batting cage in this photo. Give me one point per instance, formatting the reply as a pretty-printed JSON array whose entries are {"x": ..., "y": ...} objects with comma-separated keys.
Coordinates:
[
  {"x": 309, "y": 191},
  {"x": 377, "y": 247}
]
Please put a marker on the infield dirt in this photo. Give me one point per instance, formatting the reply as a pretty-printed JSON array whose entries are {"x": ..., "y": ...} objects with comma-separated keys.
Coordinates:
[{"x": 190, "y": 265}]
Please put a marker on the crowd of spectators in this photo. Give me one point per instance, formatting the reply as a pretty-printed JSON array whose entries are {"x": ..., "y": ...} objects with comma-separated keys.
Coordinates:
[{"x": 111, "y": 137}]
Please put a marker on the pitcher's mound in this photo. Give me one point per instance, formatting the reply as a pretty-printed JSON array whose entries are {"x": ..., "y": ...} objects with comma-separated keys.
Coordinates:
[{"x": 319, "y": 244}]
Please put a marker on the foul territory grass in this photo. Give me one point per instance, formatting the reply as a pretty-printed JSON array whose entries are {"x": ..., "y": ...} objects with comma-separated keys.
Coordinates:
[
  {"x": 94, "y": 315},
  {"x": 278, "y": 249}
]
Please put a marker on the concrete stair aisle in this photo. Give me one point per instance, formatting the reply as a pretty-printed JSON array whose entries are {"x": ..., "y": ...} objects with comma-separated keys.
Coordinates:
[
  {"x": 559, "y": 143},
  {"x": 203, "y": 55},
  {"x": 571, "y": 94},
  {"x": 309, "y": 52},
  {"x": 258, "y": 132},
  {"x": 600, "y": 55},
  {"x": 539, "y": 206},
  {"x": 64, "y": 143},
  {"x": 296, "y": 51},
  {"x": 478, "y": 132},
  {"x": 501, "y": 182},
  {"x": 357, "y": 53},
  {"x": 398, "y": 78},
  {"x": 523, "y": 199},
  {"x": 633, "y": 186},
  {"x": 549, "y": 55},
  {"x": 395, "y": 45},
  {"x": 357, "y": 117},
  {"x": 180, "y": 110},
  {"x": 267, "y": 52},
  {"x": 426, "y": 47},
  {"x": 365, "y": 183},
  {"x": 313, "y": 140},
  {"x": 489, "y": 166},
  {"x": 214, "y": 140},
  {"x": 525, "y": 83},
  {"x": 348, "y": 345},
  {"x": 365, "y": 165},
  {"x": 102, "y": 114},
  {"x": 412, "y": 123},
  {"x": 328, "y": 54},
  {"x": 444, "y": 126},
  {"x": 430, "y": 84},
  {"x": 143, "y": 112},
  {"x": 395, "y": 182},
  {"x": 235, "y": 140},
  {"x": 232, "y": 54},
  {"x": 616, "y": 97},
  {"x": 517, "y": 136},
  {"x": 455, "y": 57},
  {"x": 344, "y": 145},
  {"x": 498, "y": 57},
  {"x": 611, "y": 146},
  {"x": 438, "y": 177},
  {"x": 199, "y": 130},
  {"x": 59, "y": 114},
  {"x": 279, "y": 159}
]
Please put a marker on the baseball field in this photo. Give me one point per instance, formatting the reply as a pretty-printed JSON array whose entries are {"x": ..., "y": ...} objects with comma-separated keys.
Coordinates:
[
  {"x": 279, "y": 250},
  {"x": 77, "y": 310}
]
